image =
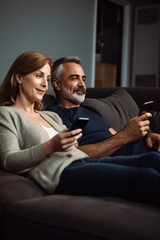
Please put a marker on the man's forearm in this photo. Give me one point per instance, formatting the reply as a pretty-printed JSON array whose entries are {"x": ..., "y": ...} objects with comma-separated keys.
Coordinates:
[{"x": 107, "y": 147}]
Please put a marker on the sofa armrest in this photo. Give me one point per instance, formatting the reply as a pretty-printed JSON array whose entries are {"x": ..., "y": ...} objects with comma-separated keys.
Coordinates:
[{"x": 14, "y": 188}]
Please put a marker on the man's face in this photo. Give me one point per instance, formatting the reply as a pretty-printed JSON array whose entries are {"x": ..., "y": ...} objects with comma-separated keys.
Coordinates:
[{"x": 72, "y": 83}]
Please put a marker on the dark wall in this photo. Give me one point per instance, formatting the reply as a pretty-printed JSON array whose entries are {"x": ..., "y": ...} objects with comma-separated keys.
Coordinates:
[
  {"x": 109, "y": 31},
  {"x": 140, "y": 3}
]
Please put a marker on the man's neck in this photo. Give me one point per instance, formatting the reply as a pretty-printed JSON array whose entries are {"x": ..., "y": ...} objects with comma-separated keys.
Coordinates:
[{"x": 68, "y": 105}]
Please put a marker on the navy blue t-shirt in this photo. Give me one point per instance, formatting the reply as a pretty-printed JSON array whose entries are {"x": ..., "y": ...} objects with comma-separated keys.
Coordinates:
[{"x": 96, "y": 130}]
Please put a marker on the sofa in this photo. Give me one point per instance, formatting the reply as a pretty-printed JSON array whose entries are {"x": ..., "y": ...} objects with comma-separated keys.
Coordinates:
[{"x": 28, "y": 212}]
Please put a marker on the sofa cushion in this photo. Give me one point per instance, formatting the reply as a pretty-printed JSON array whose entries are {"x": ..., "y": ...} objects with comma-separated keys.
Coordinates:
[
  {"x": 49, "y": 99},
  {"x": 117, "y": 109},
  {"x": 96, "y": 218}
]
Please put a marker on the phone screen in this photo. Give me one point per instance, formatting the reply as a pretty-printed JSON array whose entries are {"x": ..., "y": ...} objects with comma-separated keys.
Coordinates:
[
  {"x": 80, "y": 123},
  {"x": 146, "y": 107}
]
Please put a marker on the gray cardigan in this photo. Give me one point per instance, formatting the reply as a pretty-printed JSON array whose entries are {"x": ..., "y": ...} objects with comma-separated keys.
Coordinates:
[{"x": 21, "y": 141}]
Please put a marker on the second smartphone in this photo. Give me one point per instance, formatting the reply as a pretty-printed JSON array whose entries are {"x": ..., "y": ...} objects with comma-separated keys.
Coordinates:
[
  {"x": 146, "y": 107},
  {"x": 80, "y": 123}
]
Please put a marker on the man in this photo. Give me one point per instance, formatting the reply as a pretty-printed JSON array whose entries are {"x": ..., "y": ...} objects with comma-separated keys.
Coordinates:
[{"x": 99, "y": 139}]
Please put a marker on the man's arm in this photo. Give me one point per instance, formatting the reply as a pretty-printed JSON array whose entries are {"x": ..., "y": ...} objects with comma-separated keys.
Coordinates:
[{"x": 134, "y": 130}]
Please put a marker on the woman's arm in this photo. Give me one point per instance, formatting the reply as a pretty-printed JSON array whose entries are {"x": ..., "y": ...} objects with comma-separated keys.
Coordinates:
[{"x": 24, "y": 144}]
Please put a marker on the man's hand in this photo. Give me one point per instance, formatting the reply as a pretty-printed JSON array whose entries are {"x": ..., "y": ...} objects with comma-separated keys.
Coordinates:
[
  {"x": 137, "y": 127},
  {"x": 134, "y": 130},
  {"x": 153, "y": 141}
]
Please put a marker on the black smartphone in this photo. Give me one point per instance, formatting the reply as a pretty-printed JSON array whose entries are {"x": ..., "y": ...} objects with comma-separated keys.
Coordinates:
[
  {"x": 79, "y": 123},
  {"x": 146, "y": 107}
]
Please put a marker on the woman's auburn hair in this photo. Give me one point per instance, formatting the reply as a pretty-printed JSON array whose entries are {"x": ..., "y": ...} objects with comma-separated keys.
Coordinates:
[{"x": 25, "y": 64}]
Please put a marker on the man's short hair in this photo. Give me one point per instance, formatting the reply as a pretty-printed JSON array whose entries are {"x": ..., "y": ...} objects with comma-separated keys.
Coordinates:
[{"x": 57, "y": 66}]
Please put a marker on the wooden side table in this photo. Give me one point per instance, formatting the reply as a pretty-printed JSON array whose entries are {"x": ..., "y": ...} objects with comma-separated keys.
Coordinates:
[{"x": 105, "y": 75}]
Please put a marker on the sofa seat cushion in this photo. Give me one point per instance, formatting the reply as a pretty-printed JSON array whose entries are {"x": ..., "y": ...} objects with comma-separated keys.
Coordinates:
[
  {"x": 96, "y": 218},
  {"x": 14, "y": 188},
  {"x": 116, "y": 109}
]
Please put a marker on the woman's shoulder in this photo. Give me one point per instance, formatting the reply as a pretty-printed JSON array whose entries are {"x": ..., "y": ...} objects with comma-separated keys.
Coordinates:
[
  {"x": 10, "y": 113},
  {"x": 4, "y": 109},
  {"x": 7, "y": 109},
  {"x": 6, "y": 114}
]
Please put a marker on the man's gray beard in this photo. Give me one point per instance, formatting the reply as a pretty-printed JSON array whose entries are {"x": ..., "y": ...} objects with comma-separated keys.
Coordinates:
[{"x": 72, "y": 97}]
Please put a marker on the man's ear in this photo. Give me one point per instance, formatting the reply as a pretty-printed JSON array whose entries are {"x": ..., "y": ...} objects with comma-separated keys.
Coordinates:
[
  {"x": 56, "y": 84},
  {"x": 19, "y": 78}
]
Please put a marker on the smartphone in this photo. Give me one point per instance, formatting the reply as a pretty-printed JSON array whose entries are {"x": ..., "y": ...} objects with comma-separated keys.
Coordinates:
[
  {"x": 79, "y": 123},
  {"x": 146, "y": 107}
]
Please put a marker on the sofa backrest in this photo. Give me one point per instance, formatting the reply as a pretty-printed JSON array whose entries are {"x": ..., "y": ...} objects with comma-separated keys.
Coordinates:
[{"x": 118, "y": 104}]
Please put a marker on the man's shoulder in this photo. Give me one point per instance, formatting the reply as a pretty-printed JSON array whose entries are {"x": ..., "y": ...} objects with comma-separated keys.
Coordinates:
[
  {"x": 51, "y": 108},
  {"x": 56, "y": 108},
  {"x": 82, "y": 108},
  {"x": 90, "y": 109}
]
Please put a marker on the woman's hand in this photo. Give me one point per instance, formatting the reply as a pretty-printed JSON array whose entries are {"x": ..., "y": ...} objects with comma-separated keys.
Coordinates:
[{"x": 63, "y": 141}]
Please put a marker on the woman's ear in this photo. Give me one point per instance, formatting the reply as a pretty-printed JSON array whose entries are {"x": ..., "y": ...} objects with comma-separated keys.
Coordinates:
[
  {"x": 19, "y": 78},
  {"x": 56, "y": 84}
]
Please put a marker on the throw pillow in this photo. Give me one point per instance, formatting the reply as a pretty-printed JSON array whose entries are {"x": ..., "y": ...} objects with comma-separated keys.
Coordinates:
[{"x": 116, "y": 109}]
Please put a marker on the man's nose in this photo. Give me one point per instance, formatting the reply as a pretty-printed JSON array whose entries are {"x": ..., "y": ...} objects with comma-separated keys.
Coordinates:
[{"x": 81, "y": 82}]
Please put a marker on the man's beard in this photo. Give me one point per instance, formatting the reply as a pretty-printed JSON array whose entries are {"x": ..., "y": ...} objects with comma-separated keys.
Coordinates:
[{"x": 73, "y": 97}]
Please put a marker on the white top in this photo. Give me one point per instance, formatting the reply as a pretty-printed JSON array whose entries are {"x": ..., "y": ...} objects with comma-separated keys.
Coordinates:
[{"x": 51, "y": 131}]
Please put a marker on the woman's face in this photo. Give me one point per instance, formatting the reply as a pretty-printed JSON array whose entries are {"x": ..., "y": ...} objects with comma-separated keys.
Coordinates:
[{"x": 34, "y": 85}]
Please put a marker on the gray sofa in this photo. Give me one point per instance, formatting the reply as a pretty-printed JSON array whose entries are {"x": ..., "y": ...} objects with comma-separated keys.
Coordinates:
[{"x": 27, "y": 212}]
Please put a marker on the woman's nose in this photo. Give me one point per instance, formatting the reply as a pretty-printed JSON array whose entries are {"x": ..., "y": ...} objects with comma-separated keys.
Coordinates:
[{"x": 45, "y": 82}]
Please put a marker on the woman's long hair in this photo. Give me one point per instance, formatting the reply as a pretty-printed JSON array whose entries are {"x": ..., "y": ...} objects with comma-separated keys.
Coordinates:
[{"x": 25, "y": 64}]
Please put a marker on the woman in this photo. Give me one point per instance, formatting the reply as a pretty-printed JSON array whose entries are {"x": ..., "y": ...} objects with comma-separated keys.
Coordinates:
[
  {"x": 33, "y": 140},
  {"x": 30, "y": 136}
]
